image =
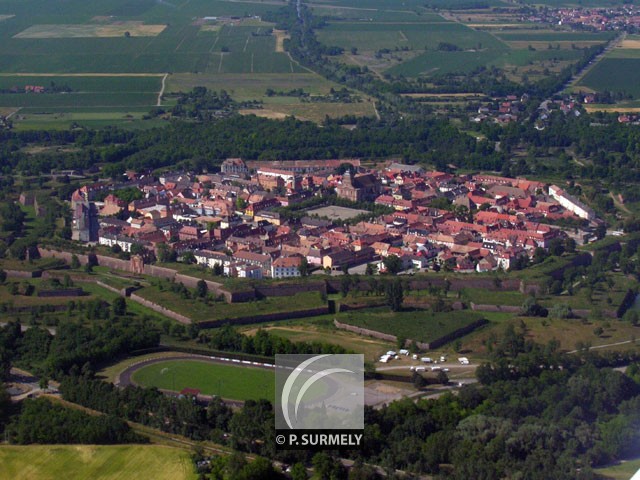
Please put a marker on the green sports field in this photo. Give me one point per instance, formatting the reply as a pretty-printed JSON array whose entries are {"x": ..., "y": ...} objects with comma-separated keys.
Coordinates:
[
  {"x": 233, "y": 382},
  {"x": 81, "y": 462}
]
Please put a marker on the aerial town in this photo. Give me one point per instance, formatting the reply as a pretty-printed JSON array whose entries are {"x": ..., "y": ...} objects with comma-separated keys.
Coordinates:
[
  {"x": 237, "y": 220},
  {"x": 624, "y": 17}
]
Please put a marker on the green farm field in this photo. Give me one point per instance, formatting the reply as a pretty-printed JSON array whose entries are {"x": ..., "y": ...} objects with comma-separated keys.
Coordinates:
[
  {"x": 226, "y": 381},
  {"x": 618, "y": 75},
  {"x": 442, "y": 63},
  {"x": 60, "y": 118},
  {"x": 250, "y": 87},
  {"x": 406, "y": 5},
  {"x": 85, "y": 38},
  {"x": 103, "y": 462},
  {"x": 554, "y": 36},
  {"x": 372, "y": 15},
  {"x": 375, "y": 36}
]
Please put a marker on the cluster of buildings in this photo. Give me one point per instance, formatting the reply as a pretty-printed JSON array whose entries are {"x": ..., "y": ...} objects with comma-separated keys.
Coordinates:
[
  {"x": 569, "y": 105},
  {"x": 34, "y": 89},
  {"x": 504, "y": 110},
  {"x": 234, "y": 221},
  {"x": 623, "y": 17},
  {"x": 629, "y": 118}
]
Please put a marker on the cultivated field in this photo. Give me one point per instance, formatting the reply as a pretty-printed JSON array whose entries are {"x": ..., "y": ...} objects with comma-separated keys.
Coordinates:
[
  {"x": 375, "y": 36},
  {"x": 554, "y": 36},
  {"x": 104, "y": 462},
  {"x": 411, "y": 46},
  {"x": 120, "y": 37},
  {"x": 250, "y": 87},
  {"x": 133, "y": 29},
  {"x": 226, "y": 381},
  {"x": 618, "y": 75},
  {"x": 80, "y": 91}
]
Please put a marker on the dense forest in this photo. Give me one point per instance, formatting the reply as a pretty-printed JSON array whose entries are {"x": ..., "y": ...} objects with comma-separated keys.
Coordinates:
[
  {"x": 40, "y": 421},
  {"x": 204, "y": 146},
  {"x": 74, "y": 348}
]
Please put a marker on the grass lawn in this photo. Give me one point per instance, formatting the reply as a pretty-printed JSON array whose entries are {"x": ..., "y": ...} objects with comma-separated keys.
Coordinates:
[
  {"x": 371, "y": 348},
  {"x": 623, "y": 471},
  {"x": 568, "y": 332},
  {"x": 198, "y": 310},
  {"x": 109, "y": 297},
  {"x": 238, "y": 383},
  {"x": 416, "y": 324},
  {"x": 497, "y": 297},
  {"x": 104, "y": 462}
]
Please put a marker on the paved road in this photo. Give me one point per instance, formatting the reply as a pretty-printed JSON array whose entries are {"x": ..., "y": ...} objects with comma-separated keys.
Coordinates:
[
  {"x": 29, "y": 383},
  {"x": 24, "y": 328}
]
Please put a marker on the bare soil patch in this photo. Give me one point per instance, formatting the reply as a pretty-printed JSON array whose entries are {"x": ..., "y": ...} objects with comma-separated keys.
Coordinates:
[
  {"x": 280, "y": 36},
  {"x": 116, "y": 29},
  {"x": 630, "y": 44},
  {"x": 611, "y": 108},
  {"x": 260, "y": 112},
  {"x": 442, "y": 95}
]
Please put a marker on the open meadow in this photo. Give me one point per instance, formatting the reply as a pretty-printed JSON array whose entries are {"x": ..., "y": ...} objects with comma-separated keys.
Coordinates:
[{"x": 99, "y": 462}]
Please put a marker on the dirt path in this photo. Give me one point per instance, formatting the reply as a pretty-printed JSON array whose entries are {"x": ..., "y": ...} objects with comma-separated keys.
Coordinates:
[
  {"x": 164, "y": 81},
  {"x": 616, "y": 202},
  {"x": 13, "y": 113},
  {"x": 375, "y": 109},
  {"x": 606, "y": 346}
]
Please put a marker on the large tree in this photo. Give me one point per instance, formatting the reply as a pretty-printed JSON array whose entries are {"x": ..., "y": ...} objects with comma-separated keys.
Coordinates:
[{"x": 395, "y": 295}]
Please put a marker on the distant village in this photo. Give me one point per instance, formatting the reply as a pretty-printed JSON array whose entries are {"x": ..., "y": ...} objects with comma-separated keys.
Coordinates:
[
  {"x": 624, "y": 17},
  {"x": 233, "y": 221}
]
